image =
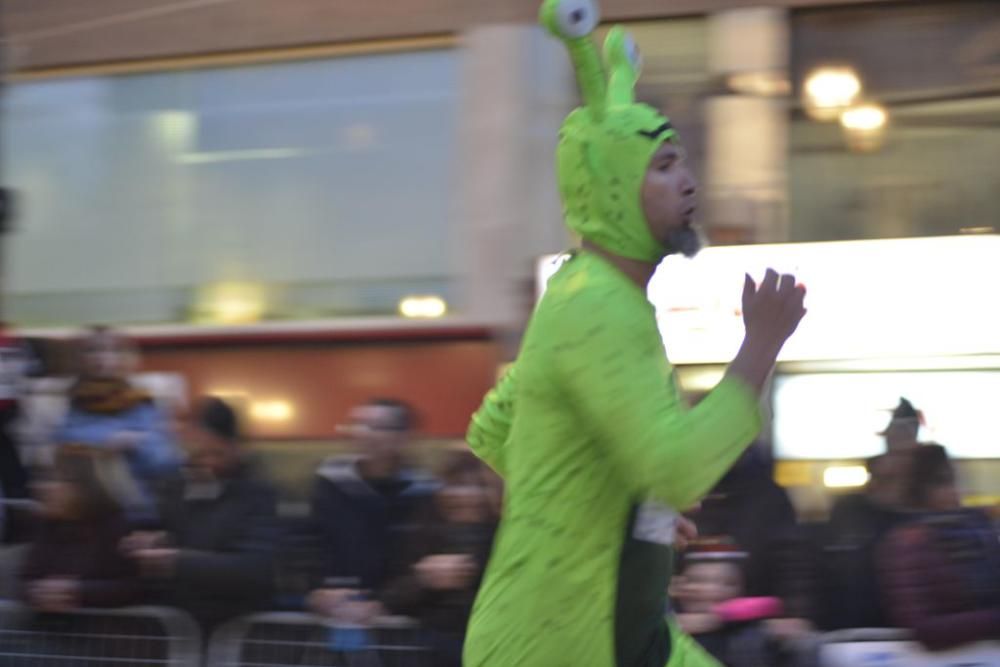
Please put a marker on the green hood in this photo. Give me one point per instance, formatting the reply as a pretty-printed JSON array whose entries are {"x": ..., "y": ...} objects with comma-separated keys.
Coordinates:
[{"x": 606, "y": 145}]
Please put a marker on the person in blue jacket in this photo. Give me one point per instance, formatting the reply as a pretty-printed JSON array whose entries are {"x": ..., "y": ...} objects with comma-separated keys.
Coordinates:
[{"x": 107, "y": 412}]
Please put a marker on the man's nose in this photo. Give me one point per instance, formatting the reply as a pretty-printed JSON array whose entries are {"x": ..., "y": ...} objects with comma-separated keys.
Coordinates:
[{"x": 689, "y": 186}]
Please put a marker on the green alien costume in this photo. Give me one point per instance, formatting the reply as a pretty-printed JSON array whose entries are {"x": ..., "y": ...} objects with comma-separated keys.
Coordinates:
[{"x": 588, "y": 429}]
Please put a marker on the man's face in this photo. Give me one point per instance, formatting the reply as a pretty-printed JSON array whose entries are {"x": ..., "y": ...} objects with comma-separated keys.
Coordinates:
[
  {"x": 106, "y": 356},
  {"x": 208, "y": 453},
  {"x": 902, "y": 435},
  {"x": 376, "y": 430},
  {"x": 668, "y": 201}
]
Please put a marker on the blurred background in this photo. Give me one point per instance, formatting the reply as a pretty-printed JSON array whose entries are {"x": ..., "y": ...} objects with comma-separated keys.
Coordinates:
[{"x": 300, "y": 206}]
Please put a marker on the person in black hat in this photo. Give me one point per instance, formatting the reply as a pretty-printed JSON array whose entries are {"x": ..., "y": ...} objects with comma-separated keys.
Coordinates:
[
  {"x": 889, "y": 473},
  {"x": 215, "y": 555},
  {"x": 904, "y": 427},
  {"x": 859, "y": 522}
]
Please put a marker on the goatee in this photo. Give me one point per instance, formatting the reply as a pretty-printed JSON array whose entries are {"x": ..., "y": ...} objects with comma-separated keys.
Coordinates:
[{"x": 684, "y": 240}]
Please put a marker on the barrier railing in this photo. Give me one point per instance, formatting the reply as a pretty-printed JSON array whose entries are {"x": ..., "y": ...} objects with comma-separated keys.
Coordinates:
[
  {"x": 291, "y": 639},
  {"x": 132, "y": 636},
  {"x": 876, "y": 647},
  {"x": 164, "y": 637}
]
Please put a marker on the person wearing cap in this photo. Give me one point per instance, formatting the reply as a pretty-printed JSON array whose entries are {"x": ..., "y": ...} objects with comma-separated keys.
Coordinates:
[
  {"x": 215, "y": 555},
  {"x": 903, "y": 428},
  {"x": 859, "y": 521},
  {"x": 889, "y": 473},
  {"x": 598, "y": 449}
]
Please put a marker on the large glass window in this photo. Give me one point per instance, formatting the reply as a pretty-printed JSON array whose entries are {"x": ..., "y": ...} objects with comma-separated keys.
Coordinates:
[
  {"x": 842, "y": 415},
  {"x": 280, "y": 191},
  {"x": 928, "y": 167}
]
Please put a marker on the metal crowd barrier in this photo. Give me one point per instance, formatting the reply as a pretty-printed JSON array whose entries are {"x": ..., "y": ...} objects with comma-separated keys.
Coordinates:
[
  {"x": 132, "y": 637},
  {"x": 292, "y": 639},
  {"x": 897, "y": 648}
]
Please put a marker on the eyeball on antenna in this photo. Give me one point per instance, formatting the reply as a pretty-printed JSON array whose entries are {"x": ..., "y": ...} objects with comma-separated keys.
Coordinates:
[
  {"x": 621, "y": 49},
  {"x": 571, "y": 19},
  {"x": 633, "y": 53}
]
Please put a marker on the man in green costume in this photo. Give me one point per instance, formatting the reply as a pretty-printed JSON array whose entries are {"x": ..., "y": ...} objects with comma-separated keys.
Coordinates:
[{"x": 588, "y": 429}]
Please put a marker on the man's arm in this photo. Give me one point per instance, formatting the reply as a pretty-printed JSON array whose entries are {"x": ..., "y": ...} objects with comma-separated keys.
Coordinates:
[
  {"x": 610, "y": 358},
  {"x": 618, "y": 377},
  {"x": 487, "y": 435}
]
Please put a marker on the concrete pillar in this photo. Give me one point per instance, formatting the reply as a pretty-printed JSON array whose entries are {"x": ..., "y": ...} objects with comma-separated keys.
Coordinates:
[
  {"x": 516, "y": 88},
  {"x": 747, "y": 127}
]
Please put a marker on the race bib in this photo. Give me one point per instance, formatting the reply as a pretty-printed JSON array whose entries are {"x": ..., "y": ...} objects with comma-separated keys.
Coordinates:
[{"x": 656, "y": 523}]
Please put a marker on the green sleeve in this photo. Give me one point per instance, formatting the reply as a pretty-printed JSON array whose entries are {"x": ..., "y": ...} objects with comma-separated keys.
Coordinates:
[
  {"x": 616, "y": 373},
  {"x": 490, "y": 425}
]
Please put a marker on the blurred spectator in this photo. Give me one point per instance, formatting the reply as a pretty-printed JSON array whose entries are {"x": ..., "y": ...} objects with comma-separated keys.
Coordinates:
[
  {"x": 107, "y": 412},
  {"x": 443, "y": 562},
  {"x": 13, "y": 366},
  {"x": 849, "y": 588},
  {"x": 941, "y": 573},
  {"x": 43, "y": 401},
  {"x": 707, "y": 590},
  {"x": 858, "y": 523},
  {"x": 215, "y": 556},
  {"x": 364, "y": 504},
  {"x": 751, "y": 508},
  {"x": 888, "y": 474},
  {"x": 74, "y": 561}
]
